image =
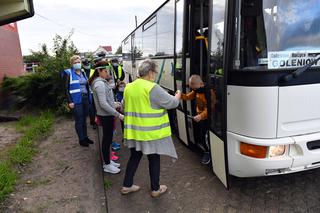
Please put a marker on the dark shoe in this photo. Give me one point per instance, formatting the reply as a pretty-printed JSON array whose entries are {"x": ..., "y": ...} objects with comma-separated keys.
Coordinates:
[
  {"x": 206, "y": 158},
  {"x": 89, "y": 141},
  {"x": 94, "y": 126},
  {"x": 83, "y": 143}
]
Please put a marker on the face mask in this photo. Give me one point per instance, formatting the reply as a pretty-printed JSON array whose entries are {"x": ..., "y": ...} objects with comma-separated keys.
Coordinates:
[
  {"x": 200, "y": 90},
  {"x": 86, "y": 67},
  {"x": 77, "y": 66},
  {"x": 114, "y": 64}
]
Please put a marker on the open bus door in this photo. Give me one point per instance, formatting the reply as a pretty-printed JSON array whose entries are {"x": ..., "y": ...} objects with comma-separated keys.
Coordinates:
[{"x": 217, "y": 89}]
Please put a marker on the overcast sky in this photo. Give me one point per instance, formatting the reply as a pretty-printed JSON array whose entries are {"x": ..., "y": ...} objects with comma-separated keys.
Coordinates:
[{"x": 95, "y": 22}]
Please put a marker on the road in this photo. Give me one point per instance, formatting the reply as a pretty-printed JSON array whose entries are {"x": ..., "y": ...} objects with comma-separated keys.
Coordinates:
[{"x": 193, "y": 187}]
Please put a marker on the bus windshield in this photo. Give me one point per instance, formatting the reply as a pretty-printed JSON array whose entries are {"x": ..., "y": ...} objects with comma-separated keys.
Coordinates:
[
  {"x": 292, "y": 32},
  {"x": 292, "y": 25}
]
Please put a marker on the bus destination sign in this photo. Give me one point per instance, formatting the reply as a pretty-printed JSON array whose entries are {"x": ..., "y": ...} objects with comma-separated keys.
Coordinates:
[{"x": 289, "y": 59}]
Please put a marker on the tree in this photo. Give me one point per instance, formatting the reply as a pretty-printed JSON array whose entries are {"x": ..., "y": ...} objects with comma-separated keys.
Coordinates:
[
  {"x": 44, "y": 88},
  {"x": 119, "y": 50}
]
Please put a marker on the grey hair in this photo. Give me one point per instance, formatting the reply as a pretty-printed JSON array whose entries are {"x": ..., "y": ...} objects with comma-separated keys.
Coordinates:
[{"x": 147, "y": 66}]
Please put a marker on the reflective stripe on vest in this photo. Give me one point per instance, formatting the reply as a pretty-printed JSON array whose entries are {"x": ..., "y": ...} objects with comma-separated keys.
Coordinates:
[
  {"x": 141, "y": 121},
  {"x": 74, "y": 86}
]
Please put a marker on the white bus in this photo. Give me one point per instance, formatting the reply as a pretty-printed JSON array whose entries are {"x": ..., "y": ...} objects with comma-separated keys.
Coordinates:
[{"x": 256, "y": 56}]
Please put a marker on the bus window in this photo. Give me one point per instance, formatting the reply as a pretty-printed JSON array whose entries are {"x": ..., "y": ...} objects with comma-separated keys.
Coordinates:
[
  {"x": 288, "y": 29},
  {"x": 149, "y": 37},
  {"x": 165, "y": 30},
  {"x": 250, "y": 36},
  {"x": 179, "y": 27},
  {"x": 216, "y": 74},
  {"x": 126, "y": 49},
  {"x": 137, "y": 49}
]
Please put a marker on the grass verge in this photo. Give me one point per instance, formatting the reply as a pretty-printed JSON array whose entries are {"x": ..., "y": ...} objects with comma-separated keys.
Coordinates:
[
  {"x": 33, "y": 128},
  {"x": 107, "y": 183}
]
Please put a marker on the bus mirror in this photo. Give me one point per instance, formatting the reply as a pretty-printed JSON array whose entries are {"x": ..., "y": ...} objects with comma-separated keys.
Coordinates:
[{"x": 12, "y": 11}]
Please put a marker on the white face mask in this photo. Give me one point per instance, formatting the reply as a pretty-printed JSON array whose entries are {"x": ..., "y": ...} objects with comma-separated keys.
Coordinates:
[{"x": 115, "y": 64}]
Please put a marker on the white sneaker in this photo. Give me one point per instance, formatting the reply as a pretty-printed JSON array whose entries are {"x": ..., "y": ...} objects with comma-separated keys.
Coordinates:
[
  {"x": 111, "y": 169},
  {"x": 112, "y": 163}
]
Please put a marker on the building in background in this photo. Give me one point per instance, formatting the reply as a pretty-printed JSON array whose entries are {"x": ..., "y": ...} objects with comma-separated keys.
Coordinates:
[
  {"x": 11, "y": 61},
  {"x": 106, "y": 49}
]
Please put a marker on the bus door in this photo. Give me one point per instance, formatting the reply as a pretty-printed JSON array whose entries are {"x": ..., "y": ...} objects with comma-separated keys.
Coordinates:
[
  {"x": 198, "y": 48},
  {"x": 181, "y": 64},
  {"x": 217, "y": 89}
]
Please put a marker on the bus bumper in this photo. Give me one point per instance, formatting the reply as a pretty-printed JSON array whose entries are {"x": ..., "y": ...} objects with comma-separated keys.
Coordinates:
[{"x": 297, "y": 157}]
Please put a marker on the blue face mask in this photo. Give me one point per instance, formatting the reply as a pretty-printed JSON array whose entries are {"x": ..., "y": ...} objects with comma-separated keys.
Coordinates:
[{"x": 77, "y": 66}]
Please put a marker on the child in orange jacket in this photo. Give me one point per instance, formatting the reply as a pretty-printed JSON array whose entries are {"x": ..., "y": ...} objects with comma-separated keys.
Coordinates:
[{"x": 198, "y": 93}]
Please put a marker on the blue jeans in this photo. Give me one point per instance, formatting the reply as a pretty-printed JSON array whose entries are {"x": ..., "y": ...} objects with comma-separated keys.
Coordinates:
[
  {"x": 119, "y": 96},
  {"x": 80, "y": 113}
]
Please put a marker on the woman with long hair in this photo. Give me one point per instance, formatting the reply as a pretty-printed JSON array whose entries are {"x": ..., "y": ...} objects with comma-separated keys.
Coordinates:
[{"x": 106, "y": 110}]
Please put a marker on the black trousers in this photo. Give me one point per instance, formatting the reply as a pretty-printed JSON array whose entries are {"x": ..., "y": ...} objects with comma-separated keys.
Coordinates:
[
  {"x": 133, "y": 163},
  {"x": 201, "y": 129},
  {"x": 92, "y": 114},
  {"x": 107, "y": 126}
]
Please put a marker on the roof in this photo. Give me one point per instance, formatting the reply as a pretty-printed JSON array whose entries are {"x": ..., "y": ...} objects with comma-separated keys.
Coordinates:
[{"x": 107, "y": 48}]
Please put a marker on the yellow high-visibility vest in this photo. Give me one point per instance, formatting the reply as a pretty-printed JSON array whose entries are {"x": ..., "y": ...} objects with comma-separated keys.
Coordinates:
[
  {"x": 91, "y": 72},
  {"x": 114, "y": 72},
  {"x": 141, "y": 121}
]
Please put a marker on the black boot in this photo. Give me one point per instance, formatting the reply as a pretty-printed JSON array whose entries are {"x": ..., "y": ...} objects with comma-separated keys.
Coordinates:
[
  {"x": 83, "y": 143},
  {"x": 88, "y": 140},
  {"x": 206, "y": 158}
]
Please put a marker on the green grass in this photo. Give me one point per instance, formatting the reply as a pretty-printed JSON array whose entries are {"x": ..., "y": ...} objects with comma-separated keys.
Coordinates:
[
  {"x": 107, "y": 183},
  {"x": 7, "y": 179},
  {"x": 33, "y": 128}
]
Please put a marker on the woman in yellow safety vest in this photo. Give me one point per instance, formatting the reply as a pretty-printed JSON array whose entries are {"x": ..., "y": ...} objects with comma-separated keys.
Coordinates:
[{"x": 147, "y": 127}]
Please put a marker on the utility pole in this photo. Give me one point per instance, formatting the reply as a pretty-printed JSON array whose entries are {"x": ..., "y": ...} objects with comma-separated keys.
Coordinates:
[{"x": 136, "y": 19}]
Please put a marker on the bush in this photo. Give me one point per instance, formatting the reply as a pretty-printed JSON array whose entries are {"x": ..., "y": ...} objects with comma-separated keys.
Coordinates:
[
  {"x": 40, "y": 90},
  {"x": 43, "y": 89}
]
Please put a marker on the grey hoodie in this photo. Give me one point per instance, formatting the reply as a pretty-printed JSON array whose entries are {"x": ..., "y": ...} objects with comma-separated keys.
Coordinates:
[{"x": 103, "y": 98}]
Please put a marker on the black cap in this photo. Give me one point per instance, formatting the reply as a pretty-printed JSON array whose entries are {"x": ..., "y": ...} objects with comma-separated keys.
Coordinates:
[
  {"x": 114, "y": 60},
  {"x": 101, "y": 54},
  {"x": 86, "y": 61}
]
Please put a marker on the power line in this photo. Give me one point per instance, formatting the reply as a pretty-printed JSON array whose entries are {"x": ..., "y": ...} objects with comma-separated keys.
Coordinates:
[{"x": 61, "y": 25}]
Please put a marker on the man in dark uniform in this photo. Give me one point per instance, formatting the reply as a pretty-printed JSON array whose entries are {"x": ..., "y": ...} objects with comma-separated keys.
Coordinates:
[
  {"x": 86, "y": 66},
  {"x": 119, "y": 75}
]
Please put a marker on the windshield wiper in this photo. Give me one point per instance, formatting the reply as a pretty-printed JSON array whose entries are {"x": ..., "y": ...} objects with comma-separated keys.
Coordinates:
[{"x": 299, "y": 71}]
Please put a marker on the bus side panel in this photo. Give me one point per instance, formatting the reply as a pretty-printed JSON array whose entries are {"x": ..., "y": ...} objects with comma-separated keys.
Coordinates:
[
  {"x": 127, "y": 67},
  {"x": 166, "y": 73},
  {"x": 182, "y": 127},
  {"x": 252, "y": 111},
  {"x": 135, "y": 69},
  {"x": 299, "y": 110}
]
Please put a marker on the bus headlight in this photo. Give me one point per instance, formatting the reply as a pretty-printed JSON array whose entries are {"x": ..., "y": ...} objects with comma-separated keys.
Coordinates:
[{"x": 278, "y": 150}]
